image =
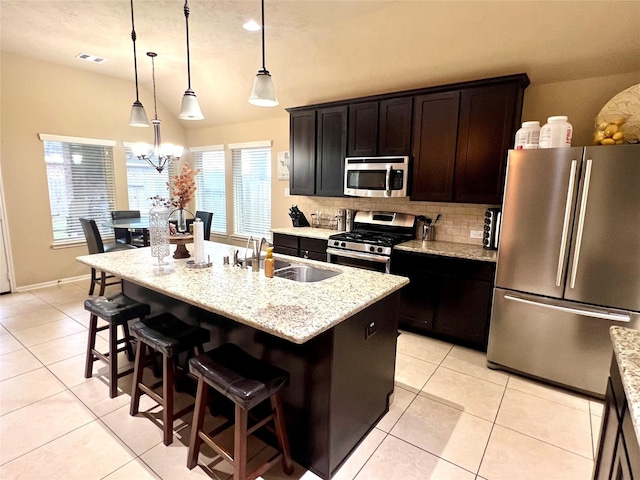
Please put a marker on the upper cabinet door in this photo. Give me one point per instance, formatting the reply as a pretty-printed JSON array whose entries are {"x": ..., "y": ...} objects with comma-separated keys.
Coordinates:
[
  {"x": 363, "y": 129},
  {"x": 486, "y": 128},
  {"x": 435, "y": 130},
  {"x": 394, "y": 126},
  {"x": 302, "y": 145},
  {"x": 331, "y": 145}
]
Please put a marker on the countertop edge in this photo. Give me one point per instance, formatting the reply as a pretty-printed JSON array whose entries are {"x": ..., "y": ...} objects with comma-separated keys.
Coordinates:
[{"x": 626, "y": 348}]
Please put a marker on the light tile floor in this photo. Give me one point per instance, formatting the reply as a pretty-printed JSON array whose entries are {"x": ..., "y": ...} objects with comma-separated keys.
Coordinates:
[{"x": 452, "y": 418}]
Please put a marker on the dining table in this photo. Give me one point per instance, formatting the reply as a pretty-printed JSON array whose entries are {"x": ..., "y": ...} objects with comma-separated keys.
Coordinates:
[{"x": 131, "y": 224}]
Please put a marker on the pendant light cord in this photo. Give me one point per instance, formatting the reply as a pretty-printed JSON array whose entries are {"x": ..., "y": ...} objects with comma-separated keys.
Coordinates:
[
  {"x": 135, "y": 58},
  {"x": 263, "y": 60},
  {"x": 186, "y": 21}
]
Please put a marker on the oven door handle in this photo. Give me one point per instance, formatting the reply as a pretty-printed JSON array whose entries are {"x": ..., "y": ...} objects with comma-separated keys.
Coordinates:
[{"x": 362, "y": 256}]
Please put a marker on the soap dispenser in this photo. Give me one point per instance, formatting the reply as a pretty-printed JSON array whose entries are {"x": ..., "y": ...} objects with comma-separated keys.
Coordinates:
[{"x": 269, "y": 263}]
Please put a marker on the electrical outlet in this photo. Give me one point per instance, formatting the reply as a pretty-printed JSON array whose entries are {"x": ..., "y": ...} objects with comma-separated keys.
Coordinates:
[
  {"x": 370, "y": 330},
  {"x": 286, "y": 192},
  {"x": 475, "y": 234}
]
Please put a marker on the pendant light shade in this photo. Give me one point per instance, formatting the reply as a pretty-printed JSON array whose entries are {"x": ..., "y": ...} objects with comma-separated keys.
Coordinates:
[
  {"x": 190, "y": 109},
  {"x": 263, "y": 93},
  {"x": 138, "y": 117}
]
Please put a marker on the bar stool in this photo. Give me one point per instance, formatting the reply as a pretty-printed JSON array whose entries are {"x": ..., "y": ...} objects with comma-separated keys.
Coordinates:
[
  {"x": 169, "y": 336},
  {"x": 246, "y": 381},
  {"x": 115, "y": 309}
]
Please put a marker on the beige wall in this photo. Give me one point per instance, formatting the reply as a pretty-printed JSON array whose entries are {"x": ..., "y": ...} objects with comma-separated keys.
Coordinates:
[{"x": 38, "y": 97}]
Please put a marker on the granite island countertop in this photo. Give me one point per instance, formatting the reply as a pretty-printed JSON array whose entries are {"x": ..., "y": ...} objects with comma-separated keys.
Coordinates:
[
  {"x": 294, "y": 311},
  {"x": 449, "y": 249},
  {"x": 626, "y": 348}
]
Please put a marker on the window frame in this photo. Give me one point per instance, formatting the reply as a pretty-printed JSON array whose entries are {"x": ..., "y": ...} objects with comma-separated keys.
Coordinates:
[{"x": 77, "y": 236}]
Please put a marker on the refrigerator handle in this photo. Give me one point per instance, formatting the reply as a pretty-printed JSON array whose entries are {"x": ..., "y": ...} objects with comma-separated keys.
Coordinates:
[
  {"x": 617, "y": 317},
  {"x": 583, "y": 212},
  {"x": 565, "y": 224}
]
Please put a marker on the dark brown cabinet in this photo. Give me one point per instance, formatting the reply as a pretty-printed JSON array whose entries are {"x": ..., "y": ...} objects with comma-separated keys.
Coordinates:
[
  {"x": 318, "y": 143},
  {"x": 303, "y": 247},
  {"x": 331, "y": 144},
  {"x": 435, "y": 136},
  {"x": 447, "y": 297},
  {"x": 302, "y": 145},
  {"x": 618, "y": 452},
  {"x": 380, "y": 128},
  {"x": 460, "y": 142},
  {"x": 458, "y": 136}
]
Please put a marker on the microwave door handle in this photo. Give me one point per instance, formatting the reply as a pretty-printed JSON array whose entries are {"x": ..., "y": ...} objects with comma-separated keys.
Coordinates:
[{"x": 387, "y": 192}]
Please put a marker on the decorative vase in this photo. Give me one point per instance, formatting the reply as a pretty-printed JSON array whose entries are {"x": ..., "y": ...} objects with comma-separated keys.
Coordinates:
[
  {"x": 180, "y": 219},
  {"x": 159, "y": 231}
]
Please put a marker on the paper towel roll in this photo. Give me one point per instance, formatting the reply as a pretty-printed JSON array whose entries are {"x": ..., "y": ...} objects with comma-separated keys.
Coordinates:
[{"x": 198, "y": 240}]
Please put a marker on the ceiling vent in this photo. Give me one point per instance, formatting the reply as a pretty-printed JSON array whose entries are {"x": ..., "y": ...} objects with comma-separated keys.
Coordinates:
[{"x": 90, "y": 58}]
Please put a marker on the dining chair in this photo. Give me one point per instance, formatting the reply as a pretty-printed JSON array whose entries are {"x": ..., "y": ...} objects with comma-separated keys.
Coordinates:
[
  {"x": 95, "y": 245},
  {"x": 124, "y": 235},
  {"x": 207, "y": 219}
]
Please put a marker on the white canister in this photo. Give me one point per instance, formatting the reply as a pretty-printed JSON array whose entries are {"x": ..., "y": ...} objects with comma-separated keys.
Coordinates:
[
  {"x": 528, "y": 136},
  {"x": 556, "y": 133}
]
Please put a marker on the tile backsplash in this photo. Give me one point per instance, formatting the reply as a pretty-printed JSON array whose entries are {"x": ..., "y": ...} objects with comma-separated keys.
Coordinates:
[{"x": 458, "y": 219}]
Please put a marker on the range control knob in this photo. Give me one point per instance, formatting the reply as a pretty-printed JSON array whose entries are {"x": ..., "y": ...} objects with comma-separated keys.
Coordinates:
[
  {"x": 379, "y": 249},
  {"x": 343, "y": 245},
  {"x": 372, "y": 249}
]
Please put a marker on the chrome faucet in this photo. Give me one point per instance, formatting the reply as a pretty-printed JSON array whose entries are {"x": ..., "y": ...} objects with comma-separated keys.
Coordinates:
[{"x": 256, "y": 249}]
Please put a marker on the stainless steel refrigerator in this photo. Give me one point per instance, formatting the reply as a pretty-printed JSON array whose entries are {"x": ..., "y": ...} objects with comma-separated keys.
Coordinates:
[{"x": 568, "y": 263}]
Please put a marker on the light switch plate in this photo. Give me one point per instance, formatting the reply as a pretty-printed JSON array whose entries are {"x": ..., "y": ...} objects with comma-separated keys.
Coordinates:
[{"x": 475, "y": 234}]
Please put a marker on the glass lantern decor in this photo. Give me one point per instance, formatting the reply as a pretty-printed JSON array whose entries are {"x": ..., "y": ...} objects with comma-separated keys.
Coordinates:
[{"x": 159, "y": 230}]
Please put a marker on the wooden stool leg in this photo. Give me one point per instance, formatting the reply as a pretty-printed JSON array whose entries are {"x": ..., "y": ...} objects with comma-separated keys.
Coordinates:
[
  {"x": 138, "y": 370},
  {"x": 127, "y": 337},
  {"x": 168, "y": 368},
  {"x": 91, "y": 345},
  {"x": 103, "y": 283},
  {"x": 281, "y": 433},
  {"x": 240, "y": 445},
  {"x": 113, "y": 360},
  {"x": 195, "y": 441}
]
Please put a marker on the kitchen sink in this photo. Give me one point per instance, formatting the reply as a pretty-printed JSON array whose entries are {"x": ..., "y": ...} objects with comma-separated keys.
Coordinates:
[{"x": 304, "y": 273}]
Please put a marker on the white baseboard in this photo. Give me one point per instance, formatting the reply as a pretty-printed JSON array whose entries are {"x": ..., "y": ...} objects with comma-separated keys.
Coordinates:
[{"x": 52, "y": 283}]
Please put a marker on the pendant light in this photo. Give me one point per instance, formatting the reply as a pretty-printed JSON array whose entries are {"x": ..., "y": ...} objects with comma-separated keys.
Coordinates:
[
  {"x": 164, "y": 154},
  {"x": 138, "y": 117},
  {"x": 190, "y": 109},
  {"x": 263, "y": 93}
]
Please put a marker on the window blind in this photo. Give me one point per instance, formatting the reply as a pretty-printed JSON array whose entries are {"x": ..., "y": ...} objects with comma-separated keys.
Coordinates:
[
  {"x": 81, "y": 184},
  {"x": 252, "y": 191},
  {"x": 144, "y": 182},
  {"x": 210, "y": 183}
]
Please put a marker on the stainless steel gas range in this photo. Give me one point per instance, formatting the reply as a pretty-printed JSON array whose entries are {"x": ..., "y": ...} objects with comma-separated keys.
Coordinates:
[{"x": 371, "y": 241}]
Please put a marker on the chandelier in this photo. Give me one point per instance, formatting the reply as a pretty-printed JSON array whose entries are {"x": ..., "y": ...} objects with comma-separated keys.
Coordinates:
[{"x": 160, "y": 155}]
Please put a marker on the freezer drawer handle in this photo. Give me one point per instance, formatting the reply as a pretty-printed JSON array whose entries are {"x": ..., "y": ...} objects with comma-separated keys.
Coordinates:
[
  {"x": 583, "y": 212},
  {"x": 617, "y": 317},
  {"x": 565, "y": 225}
]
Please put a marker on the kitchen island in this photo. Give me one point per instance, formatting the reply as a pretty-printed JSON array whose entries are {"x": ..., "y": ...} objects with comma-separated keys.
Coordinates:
[{"x": 336, "y": 337}]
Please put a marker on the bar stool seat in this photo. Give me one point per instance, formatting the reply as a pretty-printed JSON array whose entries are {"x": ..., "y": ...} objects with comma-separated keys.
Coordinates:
[
  {"x": 115, "y": 309},
  {"x": 169, "y": 336},
  {"x": 246, "y": 381}
]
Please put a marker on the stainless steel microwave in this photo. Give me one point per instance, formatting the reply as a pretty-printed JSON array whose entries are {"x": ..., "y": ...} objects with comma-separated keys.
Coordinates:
[{"x": 376, "y": 176}]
